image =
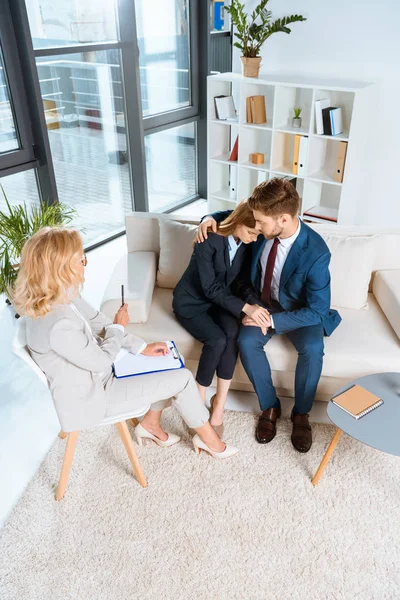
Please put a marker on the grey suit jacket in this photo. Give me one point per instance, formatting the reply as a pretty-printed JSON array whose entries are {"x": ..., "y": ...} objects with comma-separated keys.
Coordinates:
[{"x": 76, "y": 366}]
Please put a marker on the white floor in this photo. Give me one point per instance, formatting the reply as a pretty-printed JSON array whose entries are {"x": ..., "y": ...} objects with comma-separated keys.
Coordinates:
[{"x": 28, "y": 423}]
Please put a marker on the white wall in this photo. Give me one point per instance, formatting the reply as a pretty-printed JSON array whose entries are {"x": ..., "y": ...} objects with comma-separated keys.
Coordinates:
[{"x": 351, "y": 39}]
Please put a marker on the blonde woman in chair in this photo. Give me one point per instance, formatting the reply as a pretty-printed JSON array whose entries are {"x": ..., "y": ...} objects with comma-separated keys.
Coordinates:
[{"x": 75, "y": 346}]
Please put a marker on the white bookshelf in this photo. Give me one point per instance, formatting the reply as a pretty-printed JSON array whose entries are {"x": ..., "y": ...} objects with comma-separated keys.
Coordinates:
[{"x": 322, "y": 198}]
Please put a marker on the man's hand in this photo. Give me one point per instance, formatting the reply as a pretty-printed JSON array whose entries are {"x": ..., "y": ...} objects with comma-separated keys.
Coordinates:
[
  {"x": 258, "y": 314},
  {"x": 208, "y": 224},
  {"x": 122, "y": 316},
  {"x": 248, "y": 322},
  {"x": 156, "y": 349}
]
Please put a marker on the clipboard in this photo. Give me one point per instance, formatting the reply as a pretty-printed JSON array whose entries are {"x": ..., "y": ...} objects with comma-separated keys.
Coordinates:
[{"x": 127, "y": 364}]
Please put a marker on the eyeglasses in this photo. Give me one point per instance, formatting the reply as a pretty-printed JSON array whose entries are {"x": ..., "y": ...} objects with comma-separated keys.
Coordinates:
[{"x": 84, "y": 260}]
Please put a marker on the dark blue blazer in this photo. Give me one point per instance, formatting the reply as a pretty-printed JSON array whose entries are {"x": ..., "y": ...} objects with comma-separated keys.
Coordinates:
[
  {"x": 209, "y": 278},
  {"x": 305, "y": 285}
]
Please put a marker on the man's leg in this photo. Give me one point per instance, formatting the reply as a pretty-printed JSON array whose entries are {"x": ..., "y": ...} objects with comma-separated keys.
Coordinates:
[
  {"x": 309, "y": 343},
  {"x": 251, "y": 348},
  {"x": 255, "y": 362}
]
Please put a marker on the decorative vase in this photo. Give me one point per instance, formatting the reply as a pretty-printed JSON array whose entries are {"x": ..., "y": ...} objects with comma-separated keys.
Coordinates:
[
  {"x": 296, "y": 122},
  {"x": 250, "y": 66}
]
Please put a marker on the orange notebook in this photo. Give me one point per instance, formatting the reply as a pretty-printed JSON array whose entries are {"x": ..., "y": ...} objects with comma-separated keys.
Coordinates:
[{"x": 357, "y": 401}]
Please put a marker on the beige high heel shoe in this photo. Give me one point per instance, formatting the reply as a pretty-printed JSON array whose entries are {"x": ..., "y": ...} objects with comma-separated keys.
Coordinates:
[
  {"x": 200, "y": 445},
  {"x": 219, "y": 429},
  {"x": 142, "y": 433}
]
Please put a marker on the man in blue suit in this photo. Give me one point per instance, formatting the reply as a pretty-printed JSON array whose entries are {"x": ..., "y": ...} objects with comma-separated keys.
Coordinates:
[{"x": 289, "y": 275}]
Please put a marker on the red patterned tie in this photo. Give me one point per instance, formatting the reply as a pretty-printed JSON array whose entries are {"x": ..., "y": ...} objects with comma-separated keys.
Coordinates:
[{"x": 269, "y": 271}]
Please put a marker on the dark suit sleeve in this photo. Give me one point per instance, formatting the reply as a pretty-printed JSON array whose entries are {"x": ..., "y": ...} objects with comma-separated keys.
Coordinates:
[
  {"x": 219, "y": 216},
  {"x": 318, "y": 298},
  {"x": 212, "y": 289},
  {"x": 242, "y": 285}
]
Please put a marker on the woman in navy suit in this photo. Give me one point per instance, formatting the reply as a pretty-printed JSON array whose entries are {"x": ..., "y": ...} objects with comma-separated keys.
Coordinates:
[{"x": 207, "y": 303}]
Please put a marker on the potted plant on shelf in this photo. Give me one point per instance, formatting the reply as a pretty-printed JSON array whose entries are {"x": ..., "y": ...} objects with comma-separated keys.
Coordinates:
[
  {"x": 253, "y": 30},
  {"x": 296, "y": 121},
  {"x": 17, "y": 224}
]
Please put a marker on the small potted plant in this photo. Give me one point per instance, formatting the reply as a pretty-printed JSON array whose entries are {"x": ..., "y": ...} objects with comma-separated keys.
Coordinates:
[
  {"x": 253, "y": 30},
  {"x": 296, "y": 121},
  {"x": 17, "y": 224}
]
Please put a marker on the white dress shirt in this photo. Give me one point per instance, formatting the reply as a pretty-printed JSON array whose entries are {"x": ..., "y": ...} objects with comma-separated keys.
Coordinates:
[
  {"x": 281, "y": 256},
  {"x": 233, "y": 247}
]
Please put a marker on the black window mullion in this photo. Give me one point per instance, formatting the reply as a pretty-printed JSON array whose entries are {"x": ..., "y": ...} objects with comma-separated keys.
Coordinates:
[{"x": 17, "y": 93}]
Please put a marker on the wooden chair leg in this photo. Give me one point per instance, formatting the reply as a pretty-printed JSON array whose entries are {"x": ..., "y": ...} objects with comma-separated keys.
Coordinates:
[
  {"x": 62, "y": 434},
  {"x": 134, "y": 422},
  {"x": 67, "y": 462},
  {"x": 327, "y": 456},
  {"x": 130, "y": 449}
]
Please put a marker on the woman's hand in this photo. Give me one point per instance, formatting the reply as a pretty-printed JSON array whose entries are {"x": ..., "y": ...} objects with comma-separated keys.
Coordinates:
[
  {"x": 204, "y": 227},
  {"x": 156, "y": 349},
  {"x": 258, "y": 314},
  {"x": 122, "y": 316}
]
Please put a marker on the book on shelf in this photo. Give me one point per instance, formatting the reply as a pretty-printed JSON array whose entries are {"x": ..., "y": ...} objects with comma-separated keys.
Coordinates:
[
  {"x": 319, "y": 106},
  {"x": 332, "y": 120},
  {"x": 256, "y": 110},
  {"x": 357, "y": 401},
  {"x": 225, "y": 107},
  {"x": 323, "y": 213},
  {"x": 336, "y": 120},
  {"x": 235, "y": 151}
]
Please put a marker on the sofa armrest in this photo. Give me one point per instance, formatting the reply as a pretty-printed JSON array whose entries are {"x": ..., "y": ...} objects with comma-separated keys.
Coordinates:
[
  {"x": 137, "y": 272},
  {"x": 386, "y": 289}
]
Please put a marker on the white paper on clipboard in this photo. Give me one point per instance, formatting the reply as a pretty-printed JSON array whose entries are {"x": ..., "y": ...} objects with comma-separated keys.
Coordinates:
[{"x": 128, "y": 365}]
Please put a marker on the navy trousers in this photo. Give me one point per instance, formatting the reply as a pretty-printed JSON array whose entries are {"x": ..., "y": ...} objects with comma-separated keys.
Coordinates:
[{"x": 309, "y": 343}]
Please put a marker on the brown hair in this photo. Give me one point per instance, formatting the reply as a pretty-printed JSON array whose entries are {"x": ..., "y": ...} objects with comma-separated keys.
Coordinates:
[
  {"x": 242, "y": 215},
  {"x": 47, "y": 275},
  {"x": 275, "y": 197}
]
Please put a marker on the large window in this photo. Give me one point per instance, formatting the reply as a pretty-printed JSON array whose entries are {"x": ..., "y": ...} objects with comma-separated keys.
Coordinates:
[
  {"x": 83, "y": 100},
  {"x": 67, "y": 22},
  {"x": 107, "y": 121}
]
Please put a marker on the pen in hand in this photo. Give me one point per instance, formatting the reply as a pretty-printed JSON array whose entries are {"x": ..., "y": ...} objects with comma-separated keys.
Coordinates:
[{"x": 122, "y": 295}]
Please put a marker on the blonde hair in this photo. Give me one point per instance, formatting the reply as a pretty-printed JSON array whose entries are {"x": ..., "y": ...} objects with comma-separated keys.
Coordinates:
[
  {"x": 242, "y": 215},
  {"x": 46, "y": 274}
]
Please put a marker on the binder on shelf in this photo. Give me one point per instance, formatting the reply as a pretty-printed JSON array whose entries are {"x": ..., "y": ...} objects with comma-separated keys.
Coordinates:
[
  {"x": 303, "y": 147},
  {"x": 340, "y": 161},
  {"x": 130, "y": 365},
  {"x": 336, "y": 120},
  {"x": 295, "y": 166},
  {"x": 235, "y": 151},
  {"x": 218, "y": 15},
  {"x": 319, "y": 106},
  {"x": 232, "y": 182},
  {"x": 322, "y": 213},
  {"x": 224, "y": 107}
]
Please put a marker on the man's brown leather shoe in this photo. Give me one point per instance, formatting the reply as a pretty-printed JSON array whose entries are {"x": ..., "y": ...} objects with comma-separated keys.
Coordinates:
[
  {"x": 301, "y": 433},
  {"x": 266, "y": 426}
]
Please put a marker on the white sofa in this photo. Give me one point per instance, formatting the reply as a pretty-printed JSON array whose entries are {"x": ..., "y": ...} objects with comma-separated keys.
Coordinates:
[{"x": 366, "y": 341}]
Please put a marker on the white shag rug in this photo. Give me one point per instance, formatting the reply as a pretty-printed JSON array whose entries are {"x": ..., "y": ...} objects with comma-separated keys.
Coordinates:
[{"x": 249, "y": 528}]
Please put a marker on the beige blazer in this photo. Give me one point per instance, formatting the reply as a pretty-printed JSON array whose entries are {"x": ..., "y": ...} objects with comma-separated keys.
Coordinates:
[{"x": 76, "y": 366}]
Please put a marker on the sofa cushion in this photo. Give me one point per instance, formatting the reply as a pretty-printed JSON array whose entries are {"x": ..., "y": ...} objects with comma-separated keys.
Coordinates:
[
  {"x": 137, "y": 271},
  {"x": 387, "y": 292},
  {"x": 363, "y": 343},
  {"x": 176, "y": 248},
  {"x": 350, "y": 268}
]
